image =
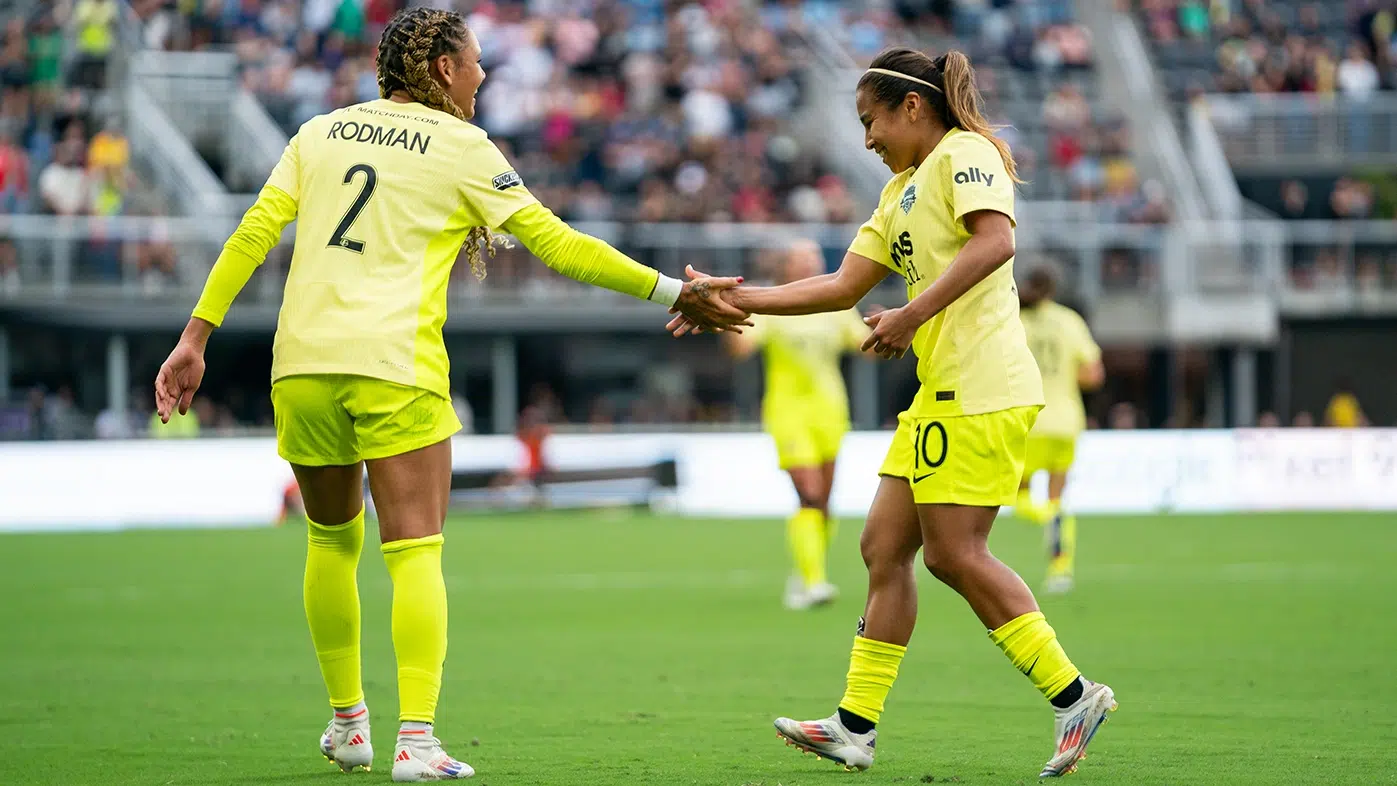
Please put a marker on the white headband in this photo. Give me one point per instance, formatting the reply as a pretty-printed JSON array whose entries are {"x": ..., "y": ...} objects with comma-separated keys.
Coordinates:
[{"x": 904, "y": 76}]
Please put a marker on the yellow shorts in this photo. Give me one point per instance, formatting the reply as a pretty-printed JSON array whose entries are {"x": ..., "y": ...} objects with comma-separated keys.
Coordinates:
[
  {"x": 807, "y": 440},
  {"x": 1053, "y": 454},
  {"x": 337, "y": 419},
  {"x": 966, "y": 460}
]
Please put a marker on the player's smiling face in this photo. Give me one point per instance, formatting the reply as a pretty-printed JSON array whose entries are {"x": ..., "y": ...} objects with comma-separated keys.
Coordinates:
[
  {"x": 462, "y": 76},
  {"x": 890, "y": 132}
]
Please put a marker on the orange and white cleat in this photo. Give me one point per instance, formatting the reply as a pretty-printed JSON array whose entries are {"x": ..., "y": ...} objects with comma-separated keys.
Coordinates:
[
  {"x": 828, "y": 739},
  {"x": 1075, "y": 726},
  {"x": 346, "y": 742}
]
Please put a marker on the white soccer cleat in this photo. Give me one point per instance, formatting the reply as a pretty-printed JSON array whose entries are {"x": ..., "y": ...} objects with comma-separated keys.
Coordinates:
[
  {"x": 1074, "y": 727},
  {"x": 346, "y": 742},
  {"x": 1058, "y": 584},
  {"x": 795, "y": 593},
  {"x": 800, "y": 597},
  {"x": 828, "y": 739},
  {"x": 422, "y": 759}
]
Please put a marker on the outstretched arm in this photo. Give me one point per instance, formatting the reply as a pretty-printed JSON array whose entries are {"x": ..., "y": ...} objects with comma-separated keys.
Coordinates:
[
  {"x": 843, "y": 289},
  {"x": 591, "y": 261}
]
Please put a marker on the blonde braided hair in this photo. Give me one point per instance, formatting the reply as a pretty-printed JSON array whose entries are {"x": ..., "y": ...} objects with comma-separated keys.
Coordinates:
[{"x": 413, "y": 39}]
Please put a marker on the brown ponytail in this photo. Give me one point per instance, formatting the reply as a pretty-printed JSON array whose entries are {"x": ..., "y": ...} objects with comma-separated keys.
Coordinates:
[
  {"x": 963, "y": 103},
  {"x": 413, "y": 39},
  {"x": 951, "y": 93}
]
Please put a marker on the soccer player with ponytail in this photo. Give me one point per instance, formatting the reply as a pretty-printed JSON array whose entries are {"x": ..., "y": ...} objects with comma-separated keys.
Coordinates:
[
  {"x": 945, "y": 223},
  {"x": 385, "y": 194}
]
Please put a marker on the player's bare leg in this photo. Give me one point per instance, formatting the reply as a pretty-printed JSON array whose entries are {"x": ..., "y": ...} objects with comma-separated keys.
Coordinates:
[
  {"x": 889, "y": 544},
  {"x": 957, "y": 552},
  {"x": 1061, "y": 539},
  {"x": 411, "y": 492},
  {"x": 334, "y": 504},
  {"x": 807, "y": 532}
]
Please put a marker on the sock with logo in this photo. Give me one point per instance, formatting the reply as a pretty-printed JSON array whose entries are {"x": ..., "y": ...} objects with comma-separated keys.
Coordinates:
[
  {"x": 872, "y": 671},
  {"x": 1031, "y": 645},
  {"x": 331, "y": 594},
  {"x": 419, "y": 624}
]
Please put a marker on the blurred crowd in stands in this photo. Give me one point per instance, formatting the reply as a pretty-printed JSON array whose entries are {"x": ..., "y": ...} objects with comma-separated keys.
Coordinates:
[{"x": 1278, "y": 46}]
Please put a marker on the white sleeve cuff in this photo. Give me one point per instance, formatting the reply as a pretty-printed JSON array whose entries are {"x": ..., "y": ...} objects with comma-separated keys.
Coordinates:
[{"x": 666, "y": 290}]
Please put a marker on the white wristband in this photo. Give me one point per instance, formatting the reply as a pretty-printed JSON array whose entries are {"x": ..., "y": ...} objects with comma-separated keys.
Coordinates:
[{"x": 666, "y": 290}]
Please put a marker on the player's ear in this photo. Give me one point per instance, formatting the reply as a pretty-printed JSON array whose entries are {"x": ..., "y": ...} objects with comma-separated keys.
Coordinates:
[{"x": 444, "y": 70}]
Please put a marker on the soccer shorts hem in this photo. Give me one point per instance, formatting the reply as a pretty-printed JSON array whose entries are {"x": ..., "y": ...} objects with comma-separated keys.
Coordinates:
[
  {"x": 446, "y": 431},
  {"x": 337, "y": 419},
  {"x": 806, "y": 442},
  {"x": 974, "y": 460},
  {"x": 1053, "y": 454}
]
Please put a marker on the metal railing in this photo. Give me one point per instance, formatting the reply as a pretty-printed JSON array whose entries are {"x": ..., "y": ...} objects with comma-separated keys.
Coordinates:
[
  {"x": 135, "y": 258},
  {"x": 1148, "y": 113},
  {"x": 1297, "y": 134},
  {"x": 1330, "y": 266},
  {"x": 829, "y": 117},
  {"x": 255, "y": 143},
  {"x": 167, "y": 157},
  {"x": 1210, "y": 163},
  {"x": 199, "y": 97}
]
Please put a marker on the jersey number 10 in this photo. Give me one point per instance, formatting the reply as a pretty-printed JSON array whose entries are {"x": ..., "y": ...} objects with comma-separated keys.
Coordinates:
[{"x": 340, "y": 239}]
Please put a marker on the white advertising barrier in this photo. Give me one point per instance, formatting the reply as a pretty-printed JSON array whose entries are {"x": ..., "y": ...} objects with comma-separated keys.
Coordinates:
[{"x": 211, "y": 482}]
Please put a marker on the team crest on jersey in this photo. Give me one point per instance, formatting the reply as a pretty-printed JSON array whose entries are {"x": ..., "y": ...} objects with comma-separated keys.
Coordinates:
[
  {"x": 508, "y": 180},
  {"x": 909, "y": 198}
]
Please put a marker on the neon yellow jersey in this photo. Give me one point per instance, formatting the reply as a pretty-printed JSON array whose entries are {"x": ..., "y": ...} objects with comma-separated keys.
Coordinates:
[
  {"x": 802, "y": 355},
  {"x": 973, "y": 357},
  {"x": 385, "y": 194},
  {"x": 1062, "y": 344}
]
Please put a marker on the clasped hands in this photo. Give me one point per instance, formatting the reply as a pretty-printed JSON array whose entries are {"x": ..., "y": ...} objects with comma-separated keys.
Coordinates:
[{"x": 706, "y": 304}]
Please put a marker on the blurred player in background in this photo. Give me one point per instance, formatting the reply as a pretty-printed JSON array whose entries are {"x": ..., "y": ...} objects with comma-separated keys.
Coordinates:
[
  {"x": 385, "y": 194},
  {"x": 805, "y": 409},
  {"x": 1070, "y": 362},
  {"x": 945, "y": 223},
  {"x": 1343, "y": 409}
]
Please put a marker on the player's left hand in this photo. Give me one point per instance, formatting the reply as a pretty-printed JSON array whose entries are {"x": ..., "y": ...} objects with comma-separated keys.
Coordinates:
[
  {"x": 701, "y": 306},
  {"x": 179, "y": 378},
  {"x": 893, "y": 330}
]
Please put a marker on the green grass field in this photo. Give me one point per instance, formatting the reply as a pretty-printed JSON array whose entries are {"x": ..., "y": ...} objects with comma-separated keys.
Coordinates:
[{"x": 607, "y": 648}]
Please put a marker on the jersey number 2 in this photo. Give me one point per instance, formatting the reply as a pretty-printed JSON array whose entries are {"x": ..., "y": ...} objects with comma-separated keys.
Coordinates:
[{"x": 339, "y": 239}]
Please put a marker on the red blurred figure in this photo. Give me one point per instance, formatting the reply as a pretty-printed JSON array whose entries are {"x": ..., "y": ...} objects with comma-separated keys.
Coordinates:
[{"x": 533, "y": 431}]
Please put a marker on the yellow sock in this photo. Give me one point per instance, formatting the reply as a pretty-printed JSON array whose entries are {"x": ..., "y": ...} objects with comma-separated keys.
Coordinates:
[
  {"x": 1063, "y": 545},
  {"x": 831, "y": 530},
  {"x": 332, "y": 606},
  {"x": 1024, "y": 507},
  {"x": 805, "y": 532},
  {"x": 872, "y": 672},
  {"x": 419, "y": 624},
  {"x": 1032, "y": 647}
]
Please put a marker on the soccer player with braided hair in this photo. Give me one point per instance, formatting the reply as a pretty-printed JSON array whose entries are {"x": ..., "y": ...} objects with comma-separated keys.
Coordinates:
[
  {"x": 945, "y": 224},
  {"x": 385, "y": 193}
]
